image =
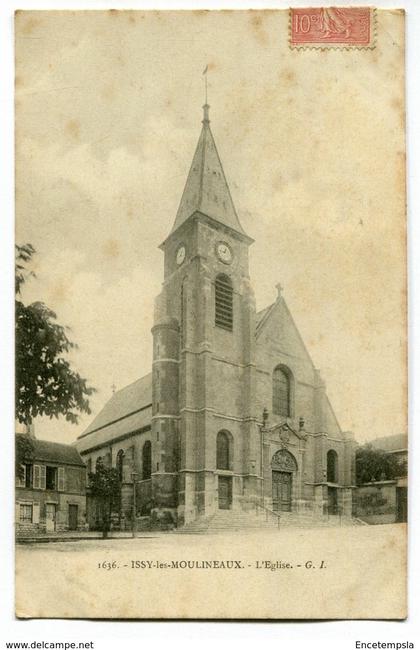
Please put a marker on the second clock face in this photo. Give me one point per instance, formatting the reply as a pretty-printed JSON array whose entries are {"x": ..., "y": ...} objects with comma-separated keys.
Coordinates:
[
  {"x": 180, "y": 255},
  {"x": 224, "y": 252}
]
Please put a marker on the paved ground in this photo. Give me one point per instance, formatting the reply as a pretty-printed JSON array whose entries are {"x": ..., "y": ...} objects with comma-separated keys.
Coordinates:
[{"x": 354, "y": 572}]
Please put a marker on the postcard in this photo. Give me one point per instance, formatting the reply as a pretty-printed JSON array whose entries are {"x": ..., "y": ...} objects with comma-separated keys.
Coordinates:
[{"x": 211, "y": 381}]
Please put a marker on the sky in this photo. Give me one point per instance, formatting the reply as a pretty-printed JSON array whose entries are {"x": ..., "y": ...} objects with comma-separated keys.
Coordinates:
[{"x": 108, "y": 112}]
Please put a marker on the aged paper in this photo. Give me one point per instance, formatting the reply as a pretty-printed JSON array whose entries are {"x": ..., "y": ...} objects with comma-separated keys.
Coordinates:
[{"x": 240, "y": 367}]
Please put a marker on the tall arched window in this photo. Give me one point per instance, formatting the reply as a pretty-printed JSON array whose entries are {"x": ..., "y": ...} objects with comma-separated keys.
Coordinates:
[
  {"x": 147, "y": 460},
  {"x": 120, "y": 465},
  {"x": 224, "y": 302},
  {"x": 223, "y": 451},
  {"x": 281, "y": 391},
  {"x": 332, "y": 466}
]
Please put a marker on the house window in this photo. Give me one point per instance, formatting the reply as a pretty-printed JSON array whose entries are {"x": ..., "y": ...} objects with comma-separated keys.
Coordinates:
[
  {"x": 25, "y": 513},
  {"x": 51, "y": 478},
  {"x": 224, "y": 302},
  {"x": 281, "y": 391},
  {"x": 332, "y": 466},
  {"x": 89, "y": 466},
  {"x": 223, "y": 451},
  {"x": 21, "y": 479},
  {"x": 147, "y": 460},
  {"x": 99, "y": 463}
]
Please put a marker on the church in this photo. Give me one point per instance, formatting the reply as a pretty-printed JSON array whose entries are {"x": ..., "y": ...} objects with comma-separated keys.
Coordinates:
[{"x": 234, "y": 415}]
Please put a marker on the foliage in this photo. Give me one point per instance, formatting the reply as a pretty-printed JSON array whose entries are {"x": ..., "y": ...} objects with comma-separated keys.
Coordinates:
[
  {"x": 377, "y": 465},
  {"x": 24, "y": 450},
  {"x": 45, "y": 382},
  {"x": 104, "y": 485}
]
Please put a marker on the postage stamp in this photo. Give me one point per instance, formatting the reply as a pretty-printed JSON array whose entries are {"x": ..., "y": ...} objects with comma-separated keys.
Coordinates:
[{"x": 332, "y": 27}]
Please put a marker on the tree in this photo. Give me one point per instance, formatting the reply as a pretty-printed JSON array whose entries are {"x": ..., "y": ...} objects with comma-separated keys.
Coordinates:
[
  {"x": 377, "y": 465},
  {"x": 104, "y": 486},
  {"x": 24, "y": 453},
  {"x": 45, "y": 382}
]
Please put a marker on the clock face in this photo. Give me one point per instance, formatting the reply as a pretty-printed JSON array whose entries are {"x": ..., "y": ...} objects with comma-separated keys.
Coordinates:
[
  {"x": 180, "y": 255},
  {"x": 224, "y": 252}
]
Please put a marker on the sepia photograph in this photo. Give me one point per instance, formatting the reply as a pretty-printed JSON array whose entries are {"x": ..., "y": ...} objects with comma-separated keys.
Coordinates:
[{"x": 211, "y": 328}]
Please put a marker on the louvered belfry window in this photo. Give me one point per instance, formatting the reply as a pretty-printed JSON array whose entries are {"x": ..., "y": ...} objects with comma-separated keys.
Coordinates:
[{"x": 224, "y": 302}]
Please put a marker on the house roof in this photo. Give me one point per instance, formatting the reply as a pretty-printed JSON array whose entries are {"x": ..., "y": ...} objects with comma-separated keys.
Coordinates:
[
  {"x": 55, "y": 452},
  {"x": 206, "y": 189},
  {"x": 397, "y": 442},
  {"x": 128, "y": 410}
]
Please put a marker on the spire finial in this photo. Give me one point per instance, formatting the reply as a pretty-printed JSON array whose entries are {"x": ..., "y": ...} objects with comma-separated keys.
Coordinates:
[
  {"x": 206, "y": 107},
  {"x": 206, "y": 119}
]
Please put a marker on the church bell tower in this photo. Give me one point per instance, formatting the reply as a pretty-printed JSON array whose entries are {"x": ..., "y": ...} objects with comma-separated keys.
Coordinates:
[{"x": 205, "y": 437}]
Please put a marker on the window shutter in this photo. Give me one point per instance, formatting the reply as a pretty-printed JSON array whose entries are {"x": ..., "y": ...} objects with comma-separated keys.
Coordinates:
[
  {"x": 37, "y": 477},
  {"x": 17, "y": 513},
  {"x": 43, "y": 477},
  {"x": 35, "y": 513},
  {"x": 61, "y": 479}
]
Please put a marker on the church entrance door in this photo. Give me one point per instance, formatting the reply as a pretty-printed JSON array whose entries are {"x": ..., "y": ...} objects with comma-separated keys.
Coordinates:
[
  {"x": 282, "y": 491},
  {"x": 225, "y": 492}
]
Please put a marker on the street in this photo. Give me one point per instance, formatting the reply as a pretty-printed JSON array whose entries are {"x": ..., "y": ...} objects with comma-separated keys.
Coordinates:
[{"x": 329, "y": 573}]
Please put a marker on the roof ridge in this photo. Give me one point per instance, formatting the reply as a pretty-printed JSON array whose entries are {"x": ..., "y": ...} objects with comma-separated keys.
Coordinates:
[
  {"x": 130, "y": 384},
  {"x": 128, "y": 400}
]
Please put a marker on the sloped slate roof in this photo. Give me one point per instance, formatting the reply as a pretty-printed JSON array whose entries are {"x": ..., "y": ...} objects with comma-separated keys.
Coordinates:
[
  {"x": 55, "y": 452},
  {"x": 206, "y": 189},
  {"x": 396, "y": 442},
  {"x": 129, "y": 409}
]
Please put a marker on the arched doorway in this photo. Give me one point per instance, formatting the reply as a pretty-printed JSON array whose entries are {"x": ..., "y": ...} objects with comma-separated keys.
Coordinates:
[{"x": 283, "y": 467}]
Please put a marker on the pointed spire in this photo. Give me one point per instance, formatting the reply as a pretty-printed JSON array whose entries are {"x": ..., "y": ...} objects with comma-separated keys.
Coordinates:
[{"x": 206, "y": 189}]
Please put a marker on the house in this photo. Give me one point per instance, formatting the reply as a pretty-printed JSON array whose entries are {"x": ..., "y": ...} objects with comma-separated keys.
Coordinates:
[{"x": 51, "y": 489}]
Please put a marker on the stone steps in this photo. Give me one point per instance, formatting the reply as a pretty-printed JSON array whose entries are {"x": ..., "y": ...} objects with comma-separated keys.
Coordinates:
[{"x": 233, "y": 520}]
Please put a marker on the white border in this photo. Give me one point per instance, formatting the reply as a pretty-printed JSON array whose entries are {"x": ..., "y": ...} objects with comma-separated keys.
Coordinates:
[{"x": 313, "y": 635}]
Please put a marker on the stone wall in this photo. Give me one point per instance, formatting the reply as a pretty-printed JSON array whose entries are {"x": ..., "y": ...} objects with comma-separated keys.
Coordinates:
[{"x": 376, "y": 503}]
